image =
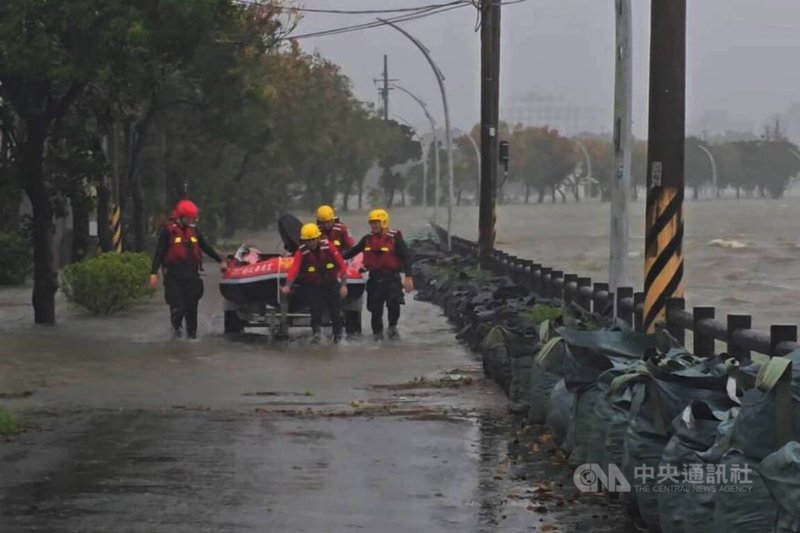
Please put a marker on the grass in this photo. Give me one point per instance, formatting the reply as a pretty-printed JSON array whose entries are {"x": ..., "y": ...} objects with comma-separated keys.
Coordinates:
[
  {"x": 540, "y": 313},
  {"x": 9, "y": 424}
]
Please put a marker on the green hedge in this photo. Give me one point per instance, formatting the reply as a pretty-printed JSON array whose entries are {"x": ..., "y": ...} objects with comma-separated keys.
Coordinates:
[
  {"x": 9, "y": 424},
  {"x": 107, "y": 283},
  {"x": 16, "y": 258}
]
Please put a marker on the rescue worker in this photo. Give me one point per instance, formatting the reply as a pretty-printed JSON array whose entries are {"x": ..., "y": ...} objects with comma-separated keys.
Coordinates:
[
  {"x": 319, "y": 268},
  {"x": 385, "y": 257},
  {"x": 337, "y": 233},
  {"x": 334, "y": 229},
  {"x": 179, "y": 252}
]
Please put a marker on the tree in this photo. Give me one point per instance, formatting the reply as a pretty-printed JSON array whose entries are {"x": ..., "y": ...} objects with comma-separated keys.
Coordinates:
[
  {"x": 697, "y": 165},
  {"x": 542, "y": 160}
]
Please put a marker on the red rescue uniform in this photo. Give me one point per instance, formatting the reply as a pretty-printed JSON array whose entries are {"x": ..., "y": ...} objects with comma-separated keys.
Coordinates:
[
  {"x": 338, "y": 234},
  {"x": 184, "y": 246},
  {"x": 317, "y": 267}
]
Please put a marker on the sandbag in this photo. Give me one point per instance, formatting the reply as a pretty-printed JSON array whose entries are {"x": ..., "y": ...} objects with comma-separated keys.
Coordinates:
[
  {"x": 559, "y": 408},
  {"x": 548, "y": 365},
  {"x": 662, "y": 387},
  {"x": 610, "y": 422},
  {"x": 781, "y": 474},
  {"x": 588, "y": 355},
  {"x": 752, "y": 511},
  {"x": 694, "y": 430},
  {"x": 521, "y": 351},
  {"x": 496, "y": 362},
  {"x": 770, "y": 413}
]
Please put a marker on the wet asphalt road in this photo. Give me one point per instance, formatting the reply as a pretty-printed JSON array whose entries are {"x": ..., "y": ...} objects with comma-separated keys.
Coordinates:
[{"x": 129, "y": 431}]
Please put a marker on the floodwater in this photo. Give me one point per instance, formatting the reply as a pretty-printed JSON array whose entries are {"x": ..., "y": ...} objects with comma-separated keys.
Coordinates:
[
  {"x": 130, "y": 431},
  {"x": 741, "y": 256}
]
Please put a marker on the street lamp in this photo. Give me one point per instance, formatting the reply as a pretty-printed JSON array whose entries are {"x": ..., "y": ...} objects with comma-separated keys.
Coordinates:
[
  {"x": 478, "y": 157},
  {"x": 424, "y": 159},
  {"x": 440, "y": 80},
  {"x": 436, "y": 154}
]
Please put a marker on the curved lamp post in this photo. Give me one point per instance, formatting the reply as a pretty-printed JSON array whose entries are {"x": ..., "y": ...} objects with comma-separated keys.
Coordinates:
[
  {"x": 424, "y": 158},
  {"x": 448, "y": 140},
  {"x": 436, "y": 153}
]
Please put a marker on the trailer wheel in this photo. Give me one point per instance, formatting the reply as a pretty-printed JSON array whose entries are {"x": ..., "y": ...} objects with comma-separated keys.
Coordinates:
[{"x": 233, "y": 324}]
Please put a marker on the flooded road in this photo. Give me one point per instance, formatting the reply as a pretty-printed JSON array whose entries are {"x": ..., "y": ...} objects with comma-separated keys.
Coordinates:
[{"x": 130, "y": 431}]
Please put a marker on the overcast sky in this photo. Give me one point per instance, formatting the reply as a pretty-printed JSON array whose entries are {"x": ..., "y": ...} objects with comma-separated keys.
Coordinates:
[{"x": 742, "y": 57}]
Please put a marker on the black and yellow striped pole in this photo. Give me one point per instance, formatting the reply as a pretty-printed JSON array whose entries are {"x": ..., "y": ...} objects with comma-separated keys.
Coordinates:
[
  {"x": 115, "y": 222},
  {"x": 665, "y": 159}
]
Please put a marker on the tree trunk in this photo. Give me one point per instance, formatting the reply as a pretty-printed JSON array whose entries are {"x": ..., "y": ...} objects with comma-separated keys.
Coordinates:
[
  {"x": 576, "y": 193},
  {"x": 738, "y": 193},
  {"x": 45, "y": 280},
  {"x": 80, "y": 224},
  {"x": 403, "y": 197},
  {"x": 553, "y": 194},
  {"x": 138, "y": 218},
  {"x": 527, "y": 193},
  {"x": 103, "y": 229},
  {"x": 346, "y": 198},
  {"x": 563, "y": 196},
  {"x": 458, "y": 198},
  {"x": 541, "y": 196},
  {"x": 361, "y": 195}
]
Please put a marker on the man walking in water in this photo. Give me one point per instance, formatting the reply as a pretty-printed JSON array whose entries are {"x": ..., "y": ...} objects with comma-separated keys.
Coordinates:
[
  {"x": 180, "y": 251},
  {"x": 385, "y": 256}
]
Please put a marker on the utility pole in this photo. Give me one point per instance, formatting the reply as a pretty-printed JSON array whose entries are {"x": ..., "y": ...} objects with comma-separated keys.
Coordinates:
[
  {"x": 620, "y": 187},
  {"x": 385, "y": 88},
  {"x": 490, "y": 114},
  {"x": 665, "y": 159}
]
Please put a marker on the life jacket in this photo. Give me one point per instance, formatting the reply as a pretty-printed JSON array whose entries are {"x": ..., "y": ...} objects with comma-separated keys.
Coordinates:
[
  {"x": 184, "y": 245},
  {"x": 380, "y": 252},
  {"x": 318, "y": 266},
  {"x": 337, "y": 234}
]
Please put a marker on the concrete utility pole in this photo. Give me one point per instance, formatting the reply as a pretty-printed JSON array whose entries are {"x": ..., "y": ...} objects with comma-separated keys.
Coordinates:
[
  {"x": 490, "y": 115},
  {"x": 432, "y": 122},
  {"x": 440, "y": 79},
  {"x": 620, "y": 187},
  {"x": 665, "y": 159}
]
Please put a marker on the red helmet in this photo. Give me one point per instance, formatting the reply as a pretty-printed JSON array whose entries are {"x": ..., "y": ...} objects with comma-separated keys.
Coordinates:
[{"x": 186, "y": 208}]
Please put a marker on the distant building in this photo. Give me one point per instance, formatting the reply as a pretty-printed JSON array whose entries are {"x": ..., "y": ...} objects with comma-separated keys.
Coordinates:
[{"x": 543, "y": 110}]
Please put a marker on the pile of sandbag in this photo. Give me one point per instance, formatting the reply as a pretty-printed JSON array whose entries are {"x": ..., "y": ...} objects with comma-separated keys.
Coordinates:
[{"x": 707, "y": 444}]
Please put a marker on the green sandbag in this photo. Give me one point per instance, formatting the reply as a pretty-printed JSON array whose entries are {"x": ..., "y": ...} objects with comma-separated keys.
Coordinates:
[
  {"x": 661, "y": 389},
  {"x": 610, "y": 422},
  {"x": 521, "y": 351},
  {"x": 559, "y": 408},
  {"x": 496, "y": 362},
  {"x": 781, "y": 474},
  {"x": 770, "y": 413},
  {"x": 695, "y": 430},
  {"x": 544, "y": 375},
  {"x": 752, "y": 511}
]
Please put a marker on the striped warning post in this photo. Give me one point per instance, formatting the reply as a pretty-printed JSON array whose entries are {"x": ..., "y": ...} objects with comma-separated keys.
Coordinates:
[
  {"x": 663, "y": 253},
  {"x": 115, "y": 222}
]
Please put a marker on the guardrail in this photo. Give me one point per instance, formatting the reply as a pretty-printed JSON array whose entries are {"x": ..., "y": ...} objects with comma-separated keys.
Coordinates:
[{"x": 559, "y": 287}]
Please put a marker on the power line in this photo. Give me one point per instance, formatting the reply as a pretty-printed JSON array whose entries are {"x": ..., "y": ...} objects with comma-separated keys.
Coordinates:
[
  {"x": 373, "y": 11},
  {"x": 415, "y": 14},
  {"x": 427, "y": 12}
]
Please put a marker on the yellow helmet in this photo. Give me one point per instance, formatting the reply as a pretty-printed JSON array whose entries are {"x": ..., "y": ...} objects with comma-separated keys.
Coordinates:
[
  {"x": 325, "y": 214},
  {"x": 379, "y": 215},
  {"x": 309, "y": 232}
]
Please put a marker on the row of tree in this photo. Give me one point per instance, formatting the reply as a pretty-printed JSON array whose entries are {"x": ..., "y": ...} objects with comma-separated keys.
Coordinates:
[
  {"x": 545, "y": 163},
  {"x": 139, "y": 104}
]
